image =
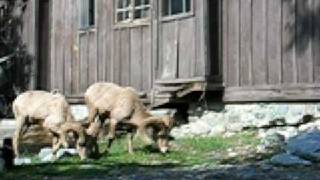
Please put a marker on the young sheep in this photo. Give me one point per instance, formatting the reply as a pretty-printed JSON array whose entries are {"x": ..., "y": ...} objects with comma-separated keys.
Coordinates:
[
  {"x": 123, "y": 105},
  {"x": 51, "y": 110}
]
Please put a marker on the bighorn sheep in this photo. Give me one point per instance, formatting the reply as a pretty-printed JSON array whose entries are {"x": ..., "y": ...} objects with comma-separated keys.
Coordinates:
[
  {"x": 52, "y": 111},
  {"x": 123, "y": 105}
]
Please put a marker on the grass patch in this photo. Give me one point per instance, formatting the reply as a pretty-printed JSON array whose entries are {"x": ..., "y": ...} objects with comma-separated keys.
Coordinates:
[{"x": 184, "y": 153}]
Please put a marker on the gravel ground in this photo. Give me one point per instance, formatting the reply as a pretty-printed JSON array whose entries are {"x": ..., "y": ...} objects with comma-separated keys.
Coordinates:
[{"x": 246, "y": 172}]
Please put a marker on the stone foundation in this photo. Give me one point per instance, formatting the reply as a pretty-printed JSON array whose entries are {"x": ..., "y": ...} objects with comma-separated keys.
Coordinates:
[{"x": 288, "y": 119}]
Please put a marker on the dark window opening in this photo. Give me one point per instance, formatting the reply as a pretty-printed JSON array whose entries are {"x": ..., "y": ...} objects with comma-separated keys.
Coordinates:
[
  {"x": 87, "y": 14},
  {"x": 174, "y": 7}
]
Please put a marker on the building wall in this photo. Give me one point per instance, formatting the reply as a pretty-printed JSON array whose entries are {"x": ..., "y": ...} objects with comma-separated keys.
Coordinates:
[
  {"x": 134, "y": 55},
  {"x": 271, "y": 50}
]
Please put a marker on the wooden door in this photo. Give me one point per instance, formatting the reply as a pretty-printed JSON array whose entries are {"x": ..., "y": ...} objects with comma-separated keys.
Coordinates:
[{"x": 178, "y": 35}]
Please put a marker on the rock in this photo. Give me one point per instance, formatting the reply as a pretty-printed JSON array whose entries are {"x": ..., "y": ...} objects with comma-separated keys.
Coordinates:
[
  {"x": 286, "y": 132},
  {"x": 306, "y": 146},
  {"x": 46, "y": 154},
  {"x": 22, "y": 161},
  {"x": 289, "y": 160},
  {"x": 218, "y": 130},
  {"x": 200, "y": 128},
  {"x": 66, "y": 152},
  {"x": 80, "y": 112},
  {"x": 310, "y": 127},
  {"x": 273, "y": 142}
]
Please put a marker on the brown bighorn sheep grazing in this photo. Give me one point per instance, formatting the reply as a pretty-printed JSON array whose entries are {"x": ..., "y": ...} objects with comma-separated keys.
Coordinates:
[
  {"x": 52, "y": 111},
  {"x": 123, "y": 105}
]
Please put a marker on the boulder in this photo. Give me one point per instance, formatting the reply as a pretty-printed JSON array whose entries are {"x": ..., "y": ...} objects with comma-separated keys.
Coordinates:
[
  {"x": 306, "y": 146},
  {"x": 46, "y": 154},
  {"x": 274, "y": 142},
  {"x": 22, "y": 161},
  {"x": 289, "y": 160}
]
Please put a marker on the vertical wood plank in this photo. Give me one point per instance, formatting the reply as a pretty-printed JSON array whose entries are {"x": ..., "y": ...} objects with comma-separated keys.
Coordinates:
[
  {"x": 186, "y": 48},
  {"x": 136, "y": 58},
  {"x": 225, "y": 40},
  {"x": 125, "y": 58},
  {"x": 68, "y": 47},
  {"x": 83, "y": 40},
  {"x": 246, "y": 43},
  {"x": 59, "y": 43},
  {"x": 92, "y": 58},
  {"x": 100, "y": 14},
  {"x": 316, "y": 41},
  {"x": 109, "y": 40},
  {"x": 233, "y": 42},
  {"x": 169, "y": 52},
  {"x": 259, "y": 41},
  {"x": 303, "y": 40},
  {"x": 76, "y": 70},
  {"x": 155, "y": 41},
  {"x": 274, "y": 42},
  {"x": 200, "y": 65},
  {"x": 52, "y": 45},
  {"x": 288, "y": 42},
  {"x": 116, "y": 66},
  {"x": 147, "y": 59}
]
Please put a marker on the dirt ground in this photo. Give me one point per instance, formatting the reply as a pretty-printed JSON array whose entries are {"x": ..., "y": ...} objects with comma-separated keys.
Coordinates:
[{"x": 244, "y": 172}]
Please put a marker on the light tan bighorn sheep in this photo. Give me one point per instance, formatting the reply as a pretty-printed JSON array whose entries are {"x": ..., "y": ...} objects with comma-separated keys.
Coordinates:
[
  {"x": 52, "y": 111},
  {"x": 123, "y": 105}
]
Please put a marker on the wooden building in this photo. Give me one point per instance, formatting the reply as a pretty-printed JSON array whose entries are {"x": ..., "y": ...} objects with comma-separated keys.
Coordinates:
[{"x": 246, "y": 50}]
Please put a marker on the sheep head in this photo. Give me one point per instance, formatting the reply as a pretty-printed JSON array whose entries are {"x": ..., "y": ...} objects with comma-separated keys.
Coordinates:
[
  {"x": 75, "y": 134},
  {"x": 161, "y": 130}
]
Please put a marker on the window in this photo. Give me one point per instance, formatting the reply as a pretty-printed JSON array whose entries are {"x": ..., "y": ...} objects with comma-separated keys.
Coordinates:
[
  {"x": 87, "y": 14},
  {"x": 174, "y": 7},
  {"x": 131, "y": 10}
]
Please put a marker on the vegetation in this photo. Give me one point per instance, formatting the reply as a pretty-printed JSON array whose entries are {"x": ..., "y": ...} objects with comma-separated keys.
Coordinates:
[{"x": 185, "y": 153}]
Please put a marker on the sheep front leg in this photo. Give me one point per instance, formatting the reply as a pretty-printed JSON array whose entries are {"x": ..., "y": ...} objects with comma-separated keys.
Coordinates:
[
  {"x": 17, "y": 136},
  {"x": 92, "y": 115},
  {"x": 112, "y": 132},
  {"x": 56, "y": 144},
  {"x": 130, "y": 139}
]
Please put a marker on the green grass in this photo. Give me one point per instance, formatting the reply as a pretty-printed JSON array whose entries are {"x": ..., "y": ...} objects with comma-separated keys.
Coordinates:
[{"x": 184, "y": 153}]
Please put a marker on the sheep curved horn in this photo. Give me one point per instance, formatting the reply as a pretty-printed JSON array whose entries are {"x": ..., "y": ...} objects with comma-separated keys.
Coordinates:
[
  {"x": 75, "y": 127},
  {"x": 166, "y": 121}
]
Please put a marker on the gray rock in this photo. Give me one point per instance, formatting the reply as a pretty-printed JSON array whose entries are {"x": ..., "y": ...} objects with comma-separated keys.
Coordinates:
[
  {"x": 22, "y": 161},
  {"x": 289, "y": 160},
  {"x": 218, "y": 130},
  {"x": 274, "y": 142},
  {"x": 80, "y": 112},
  {"x": 200, "y": 128},
  {"x": 306, "y": 146},
  {"x": 310, "y": 127},
  {"x": 46, "y": 154}
]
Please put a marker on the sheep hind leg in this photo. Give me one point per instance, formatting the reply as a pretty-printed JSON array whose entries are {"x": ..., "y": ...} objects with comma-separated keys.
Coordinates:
[{"x": 17, "y": 136}]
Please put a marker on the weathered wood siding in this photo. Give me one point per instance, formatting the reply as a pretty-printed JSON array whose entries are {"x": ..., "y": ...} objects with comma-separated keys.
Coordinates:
[
  {"x": 134, "y": 55},
  {"x": 103, "y": 53},
  {"x": 271, "y": 50},
  {"x": 29, "y": 38},
  {"x": 182, "y": 45}
]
